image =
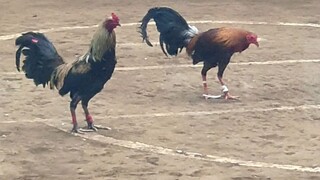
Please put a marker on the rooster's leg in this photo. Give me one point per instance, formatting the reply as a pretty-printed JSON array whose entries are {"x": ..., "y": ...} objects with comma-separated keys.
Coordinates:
[
  {"x": 225, "y": 90},
  {"x": 73, "y": 105},
  {"x": 205, "y": 85},
  {"x": 89, "y": 119},
  {"x": 205, "y": 69}
]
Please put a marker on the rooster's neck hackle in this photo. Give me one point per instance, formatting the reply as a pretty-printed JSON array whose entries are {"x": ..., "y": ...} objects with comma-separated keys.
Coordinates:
[
  {"x": 189, "y": 34},
  {"x": 102, "y": 41},
  {"x": 191, "y": 45}
]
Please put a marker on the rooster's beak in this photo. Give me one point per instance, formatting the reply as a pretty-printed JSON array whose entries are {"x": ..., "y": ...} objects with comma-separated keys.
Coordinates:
[
  {"x": 257, "y": 42},
  {"x": 119, "y": 24}
]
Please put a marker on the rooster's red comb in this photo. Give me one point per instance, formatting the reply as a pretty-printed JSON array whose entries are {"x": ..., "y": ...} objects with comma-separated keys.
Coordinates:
[{"x": 114, "y": 17}]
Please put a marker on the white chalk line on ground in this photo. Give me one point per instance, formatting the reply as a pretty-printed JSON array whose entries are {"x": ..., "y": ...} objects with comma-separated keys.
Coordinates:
[
  {"x": 189, "y": 113},
  {"x": 137, "y": 68},
  {"x": 157, "y": 44},
  {"x": 184, "y": 154},
  {"x": 12, "y": 36},
  {"x": 203, "y": 113},
  {"x": 200, "y": 65}
]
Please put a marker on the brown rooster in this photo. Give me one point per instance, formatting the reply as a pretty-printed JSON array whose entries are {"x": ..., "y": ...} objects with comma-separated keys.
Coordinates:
[
  {"x": 214, "y": 47},
  {"x": 83, "y": 78}
]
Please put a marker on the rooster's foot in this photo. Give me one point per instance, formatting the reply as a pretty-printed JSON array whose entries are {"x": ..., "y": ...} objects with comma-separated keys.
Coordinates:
[
  {"x": 228, "y": 96},
  {"x": 75, "y": 129},
  {"x": 208, "y": 96},
  {"x": 93, "y": 128},
  {"x": 102, "y": 127}
]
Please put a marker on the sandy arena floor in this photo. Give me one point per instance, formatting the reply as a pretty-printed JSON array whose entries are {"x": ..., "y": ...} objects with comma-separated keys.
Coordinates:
[{"x": 272, "y": 133}]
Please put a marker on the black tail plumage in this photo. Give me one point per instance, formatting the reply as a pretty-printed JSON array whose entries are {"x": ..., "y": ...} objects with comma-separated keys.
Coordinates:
[
  {"x": 41, "y": 57},
  {"x": 174, "y": 30}
]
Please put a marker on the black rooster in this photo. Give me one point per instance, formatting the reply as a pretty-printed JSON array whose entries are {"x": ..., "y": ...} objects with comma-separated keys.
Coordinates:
[{"x": 83, "y": 78}]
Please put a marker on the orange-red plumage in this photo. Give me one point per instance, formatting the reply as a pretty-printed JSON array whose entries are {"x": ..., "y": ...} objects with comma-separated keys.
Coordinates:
[
  {"x": 224, "y": 40},
  {"x": 231, "y": 38},
  {"x": 214, "y": 47}
]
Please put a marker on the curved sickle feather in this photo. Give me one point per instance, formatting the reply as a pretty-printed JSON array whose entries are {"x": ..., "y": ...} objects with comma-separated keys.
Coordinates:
[
  {"x": 18, "y": 55},
  {"x": 148, "y": 42},
  {"x": 161, "y": 45}
]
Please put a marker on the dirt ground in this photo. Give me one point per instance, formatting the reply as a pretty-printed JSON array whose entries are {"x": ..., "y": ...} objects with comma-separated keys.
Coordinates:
[{"x": 34, "y": 150}]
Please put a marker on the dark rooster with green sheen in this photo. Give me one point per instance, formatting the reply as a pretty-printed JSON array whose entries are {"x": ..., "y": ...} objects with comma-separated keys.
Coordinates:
[
  {"x": 214, "y": 47},
  {"x": 83, "y": 78}
]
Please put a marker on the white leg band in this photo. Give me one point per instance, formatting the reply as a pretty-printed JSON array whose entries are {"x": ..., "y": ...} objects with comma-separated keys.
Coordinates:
[{"x": 224, "y": 88}]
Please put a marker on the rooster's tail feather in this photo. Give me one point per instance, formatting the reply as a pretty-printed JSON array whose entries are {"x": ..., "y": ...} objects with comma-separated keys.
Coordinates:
[
  {"x": 174, "y": 30},
  {"x": 41, "y": 57}
]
